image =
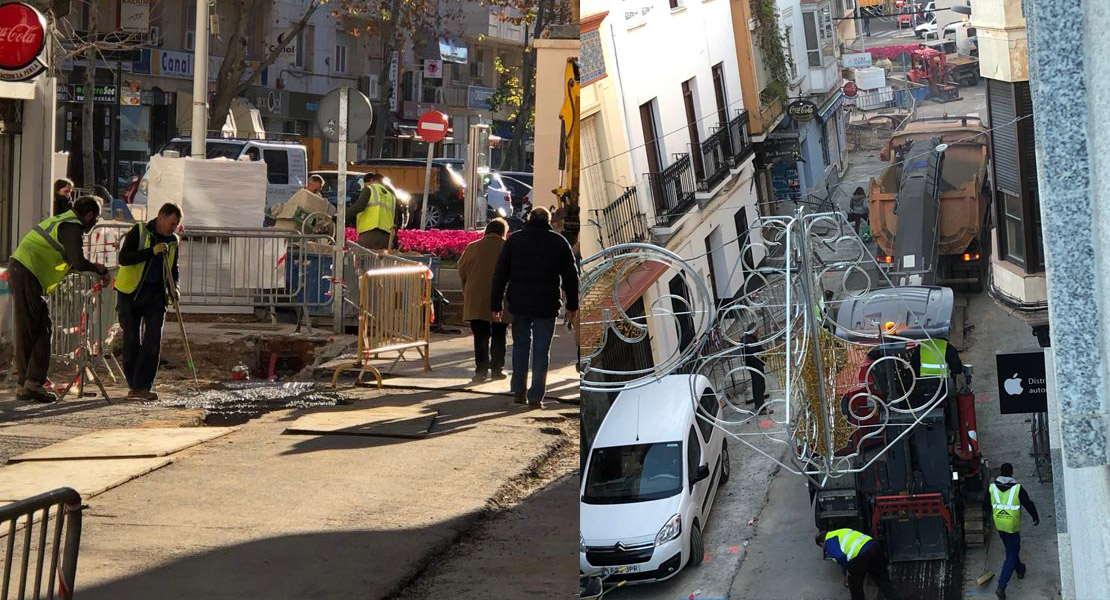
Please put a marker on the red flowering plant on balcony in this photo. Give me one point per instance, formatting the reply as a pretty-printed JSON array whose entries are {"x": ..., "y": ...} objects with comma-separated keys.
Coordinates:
[{"x": 444, "y": 243}]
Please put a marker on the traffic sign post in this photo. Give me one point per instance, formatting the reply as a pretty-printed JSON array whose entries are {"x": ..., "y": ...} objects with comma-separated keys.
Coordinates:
[
  {"x": 432, "y": 128},
  {"x": 340, "y": 114}
]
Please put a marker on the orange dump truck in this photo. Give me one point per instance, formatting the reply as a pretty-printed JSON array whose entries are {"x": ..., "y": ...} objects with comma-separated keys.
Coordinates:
[{"x": 929, "y": 207}]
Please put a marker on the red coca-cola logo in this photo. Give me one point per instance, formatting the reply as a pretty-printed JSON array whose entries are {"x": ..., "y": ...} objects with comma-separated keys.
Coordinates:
[{"x": 22, "y": 35}]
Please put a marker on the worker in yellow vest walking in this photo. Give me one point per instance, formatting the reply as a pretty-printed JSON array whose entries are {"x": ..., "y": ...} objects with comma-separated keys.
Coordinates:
[
  {"x": 858, "y": 555},
  {"x": 375, "y": 213},
  {"x": 39, "y": 264},
  {"x": 144, "y": 294},
  {"x": 1005, "y": 498}
]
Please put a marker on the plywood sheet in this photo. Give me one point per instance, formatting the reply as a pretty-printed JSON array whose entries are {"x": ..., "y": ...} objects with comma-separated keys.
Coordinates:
[
  {"x": 388, "y": 421},
  {"x": 88, "y": 476},
  {"x": 126, "y": 443}
]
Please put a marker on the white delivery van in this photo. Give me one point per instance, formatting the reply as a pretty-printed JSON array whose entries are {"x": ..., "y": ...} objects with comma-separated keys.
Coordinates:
[{"x": 286, "y": 163}]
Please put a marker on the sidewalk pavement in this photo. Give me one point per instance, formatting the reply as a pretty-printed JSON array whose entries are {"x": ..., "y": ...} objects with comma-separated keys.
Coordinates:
[{"x": 259, "y": 513}]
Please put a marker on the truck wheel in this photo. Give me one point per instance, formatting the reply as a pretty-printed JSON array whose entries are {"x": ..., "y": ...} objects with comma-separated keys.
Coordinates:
[
  {"x": 974, "y": 78},
  {"x": 435, "y": 215}
]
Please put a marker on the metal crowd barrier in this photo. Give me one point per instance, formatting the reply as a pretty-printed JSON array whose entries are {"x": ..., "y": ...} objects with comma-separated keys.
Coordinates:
[
  {"x": 61, "y": 509},
  {"x": 82, "y": 316},
  {"x": 395, "y": 304}
]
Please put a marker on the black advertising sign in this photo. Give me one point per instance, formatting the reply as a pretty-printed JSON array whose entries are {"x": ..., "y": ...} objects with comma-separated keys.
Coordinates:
[
  {"x": 780, "y": 149},
  {"x": 802, "y": 110},
  {"x": 1021, "y": 382}
]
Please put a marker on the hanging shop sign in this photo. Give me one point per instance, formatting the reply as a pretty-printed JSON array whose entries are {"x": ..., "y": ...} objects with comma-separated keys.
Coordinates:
[
  {"x": 802, "y": 111},
  {"x": 1021, "y": 382},
  {"x": 22, "y": 42},
  {"x": 785, "y": 149}
]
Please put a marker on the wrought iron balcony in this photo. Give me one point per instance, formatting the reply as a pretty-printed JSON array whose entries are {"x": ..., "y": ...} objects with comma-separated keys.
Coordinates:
[
  {"x": 621, "y": 222},
  {"x": 739, "y": 138},
  {"x": 714, "y": 153},
  {"x": 672, "y": 191}
]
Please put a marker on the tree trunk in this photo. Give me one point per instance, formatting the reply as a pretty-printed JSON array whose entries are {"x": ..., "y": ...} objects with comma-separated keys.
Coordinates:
[
  {"x": 516, "y": 154},
  {"x": 231, "y": 69},
  {"x": 88, "y": 113},
  {"x": 383, "y": 118}
]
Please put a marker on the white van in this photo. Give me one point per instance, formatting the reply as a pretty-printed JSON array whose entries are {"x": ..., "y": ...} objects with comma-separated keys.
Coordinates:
[
  {"x": 286, "y": 163},
  {"x": 650, "y": 480}
]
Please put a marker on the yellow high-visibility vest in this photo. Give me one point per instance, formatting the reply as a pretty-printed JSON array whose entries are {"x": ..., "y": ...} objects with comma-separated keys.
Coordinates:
[
  {"x": 1006, "y": 508},
  {"x": 932, "y": 358},
  {"x": 851, "y": 541},
  {"x": 130, "y": 276},
  {"x": 42, "y": 253},
  {"x": 378, "y": 213}
]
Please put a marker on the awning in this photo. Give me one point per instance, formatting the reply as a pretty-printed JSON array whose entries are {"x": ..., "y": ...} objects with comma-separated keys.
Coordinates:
[{"x": 830, "y": 106}]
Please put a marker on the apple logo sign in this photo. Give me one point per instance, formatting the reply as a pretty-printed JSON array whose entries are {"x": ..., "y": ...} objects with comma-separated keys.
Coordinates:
[{"x": 1013, "y": 385}]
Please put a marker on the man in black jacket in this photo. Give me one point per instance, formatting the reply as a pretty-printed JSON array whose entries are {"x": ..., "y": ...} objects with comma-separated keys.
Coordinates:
[{"x": 533, "y": 264}]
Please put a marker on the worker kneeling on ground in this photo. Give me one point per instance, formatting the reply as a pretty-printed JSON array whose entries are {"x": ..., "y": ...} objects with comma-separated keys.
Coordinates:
[
  {"x": 39, "y": 264},
  {"x": 858, "y": 555},
  {"x": 376, "y": 210},
  {"x": 144, "y": 293}
]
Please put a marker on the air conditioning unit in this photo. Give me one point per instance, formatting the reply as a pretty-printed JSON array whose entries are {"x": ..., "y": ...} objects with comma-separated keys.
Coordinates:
[
  {"x": 156, "y": 36},
  {"x": 368, "y": 84}
]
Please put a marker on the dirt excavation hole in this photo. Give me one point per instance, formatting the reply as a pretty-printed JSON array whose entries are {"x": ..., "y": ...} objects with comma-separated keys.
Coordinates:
[{"x": 235, "y": 403}]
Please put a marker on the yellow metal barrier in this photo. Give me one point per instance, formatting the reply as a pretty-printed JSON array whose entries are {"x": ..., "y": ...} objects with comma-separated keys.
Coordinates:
[{"x": 395, "y": 306}]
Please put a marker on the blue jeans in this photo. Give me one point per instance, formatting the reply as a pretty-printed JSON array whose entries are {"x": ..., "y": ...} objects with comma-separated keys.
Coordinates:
[
  {"x": 531, "y": 335},
  {"x": 1012, "y": 542}
]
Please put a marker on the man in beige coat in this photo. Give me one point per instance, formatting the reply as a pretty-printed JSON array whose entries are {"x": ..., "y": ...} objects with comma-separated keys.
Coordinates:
[{"x": 476, "y": 267}]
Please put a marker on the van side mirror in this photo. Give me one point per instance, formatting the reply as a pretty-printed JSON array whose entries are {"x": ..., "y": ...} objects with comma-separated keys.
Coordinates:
[{"x": 702, "y": 474}]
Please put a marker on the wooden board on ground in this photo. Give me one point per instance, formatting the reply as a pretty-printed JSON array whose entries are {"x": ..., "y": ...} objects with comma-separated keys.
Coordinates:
[
  {"x": 89, "y": 476},
  {"x": 126, "y": 443},
  {"x": 381, "y": 421}
]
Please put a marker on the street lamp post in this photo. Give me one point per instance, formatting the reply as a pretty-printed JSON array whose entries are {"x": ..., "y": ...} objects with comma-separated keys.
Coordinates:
[{"x": 200, "y": 81}]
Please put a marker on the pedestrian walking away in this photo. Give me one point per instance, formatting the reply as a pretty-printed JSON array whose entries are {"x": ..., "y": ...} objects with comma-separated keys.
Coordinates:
[
  {"x": 144, "y": 294},
  {"x": 375, "y": 213},
  {"x": 63, "y": 189},
  {"x": 39, "y": 264},
  {"x": 752, "y": 347},
  {"x": 858, "y": 212},
  {"x": 535, "y": 262},
  {"x": 476, "y": 268},
  {"x": 1005, "y": 498},
  {"x": 858, "y": 555}
]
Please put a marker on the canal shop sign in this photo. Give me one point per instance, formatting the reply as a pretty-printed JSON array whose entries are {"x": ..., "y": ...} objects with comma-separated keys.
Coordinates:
[
  {"x": 802, "y": 111},
  {"x": 22, "y": 42}
]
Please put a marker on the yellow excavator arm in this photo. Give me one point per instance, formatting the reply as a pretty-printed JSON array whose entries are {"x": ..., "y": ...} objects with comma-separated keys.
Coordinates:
[{"x": 569, "y": 155}]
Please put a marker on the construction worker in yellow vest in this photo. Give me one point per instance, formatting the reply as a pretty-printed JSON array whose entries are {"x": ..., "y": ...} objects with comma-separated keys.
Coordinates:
[
  {"x": 858, "y": 556},
  {"x": 39, "y": 264},
  {"x": 937, "y": 358},
  {"x": 375, "y": 213},
  {"x": 144, "y": 292},
  {"x": 1005, "y": 498}
]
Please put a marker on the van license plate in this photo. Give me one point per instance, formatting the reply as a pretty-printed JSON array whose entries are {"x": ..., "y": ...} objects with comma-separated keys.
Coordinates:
[{"x": 619, "y": 570}]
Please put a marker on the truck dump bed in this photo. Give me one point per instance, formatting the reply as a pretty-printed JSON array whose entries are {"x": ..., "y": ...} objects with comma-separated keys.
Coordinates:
[{"x": 962, "y": 207}]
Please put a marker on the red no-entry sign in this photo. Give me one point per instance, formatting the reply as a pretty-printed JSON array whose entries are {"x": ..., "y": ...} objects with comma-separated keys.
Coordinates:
[{"x": 432, "y": 126}]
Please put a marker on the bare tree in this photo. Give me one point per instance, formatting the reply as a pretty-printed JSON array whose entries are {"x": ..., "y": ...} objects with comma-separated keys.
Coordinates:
[{"x": 235, "y": 74}]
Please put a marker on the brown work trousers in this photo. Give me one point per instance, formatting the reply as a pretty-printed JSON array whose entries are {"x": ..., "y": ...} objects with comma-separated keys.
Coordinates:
[{"x": 32, "y": 325}]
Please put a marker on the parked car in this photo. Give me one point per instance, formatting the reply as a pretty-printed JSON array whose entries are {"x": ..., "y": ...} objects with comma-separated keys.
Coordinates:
[
  {"x": 447, "y": 190},
  {"x": 286, "y": 164},
  {"x": 499, "y": 198},
  {"x": 330, "y": 190},
  {"x": 521, "y": 191},
  {"x": 650, "y": 480},
  {"x": 928, "y": 29}
]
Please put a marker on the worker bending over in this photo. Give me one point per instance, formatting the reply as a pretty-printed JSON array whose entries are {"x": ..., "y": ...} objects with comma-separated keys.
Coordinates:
[{"x": 858, "y": 555}]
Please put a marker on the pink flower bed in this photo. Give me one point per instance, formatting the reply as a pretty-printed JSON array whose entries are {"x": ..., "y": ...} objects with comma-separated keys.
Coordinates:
[
  {"x": 444, "y": 243},
  {"x": 891, "y": 52}
]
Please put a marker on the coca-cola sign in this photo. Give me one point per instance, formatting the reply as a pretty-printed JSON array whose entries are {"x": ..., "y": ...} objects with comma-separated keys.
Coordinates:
[{"x": 22, "y": 41}]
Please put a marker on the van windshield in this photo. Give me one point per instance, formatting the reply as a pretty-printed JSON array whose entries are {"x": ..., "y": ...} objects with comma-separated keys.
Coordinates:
[
  {"x": 211, "y": 149},
  {"x": 639, "y": 473}
]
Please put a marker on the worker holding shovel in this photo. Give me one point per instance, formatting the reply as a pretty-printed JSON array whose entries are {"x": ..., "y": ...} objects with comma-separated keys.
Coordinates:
[{"x": 144, "y": 293}]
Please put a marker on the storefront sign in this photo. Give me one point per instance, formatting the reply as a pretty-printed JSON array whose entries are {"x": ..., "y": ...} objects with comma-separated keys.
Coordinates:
[
  {"x": 802, "y": 111},
  {"x": 394, "y": 82},
  {"x": 22, "y": 42},
  {"x": 477, "y": 98},
  {"x": 781, "y": 149},
  {"x": 1021, "y": 382},
  {"x": 102, "y": 94},
  {"x": 134, "y": 16},
  {"x": 178, "y": 65},
  {"x": 433, "y": 69},
  {"x": 861, "y": 60}
]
